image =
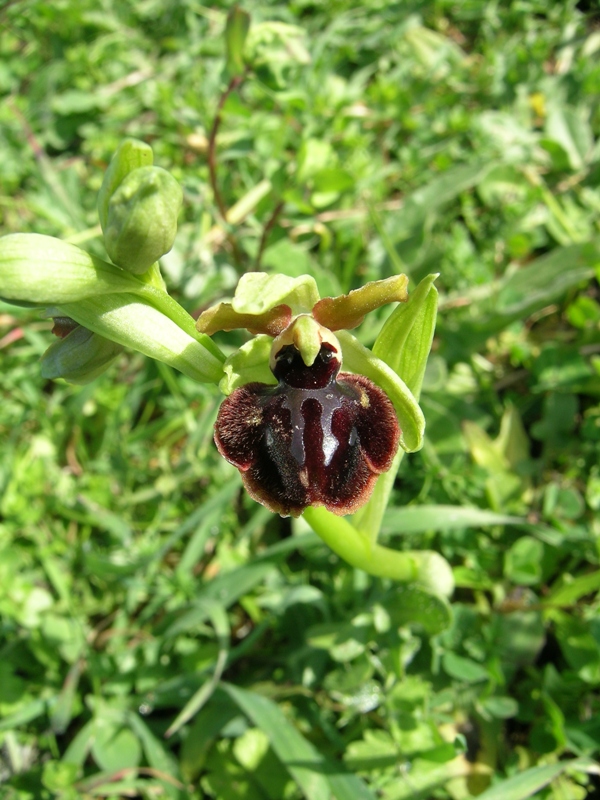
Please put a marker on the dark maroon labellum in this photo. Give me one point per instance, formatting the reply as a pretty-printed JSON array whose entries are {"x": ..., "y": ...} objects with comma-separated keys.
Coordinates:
[{"x": 317, "y": 438}]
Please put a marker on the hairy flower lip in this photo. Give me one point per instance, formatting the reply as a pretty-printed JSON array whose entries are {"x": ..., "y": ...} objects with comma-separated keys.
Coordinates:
[{"x": 319, "y": 437}]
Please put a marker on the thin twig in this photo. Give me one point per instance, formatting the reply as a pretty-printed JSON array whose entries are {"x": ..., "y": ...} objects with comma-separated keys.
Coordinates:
[
  {"x": 265, "y": 234},
  {"x": 233, "y": 84}
]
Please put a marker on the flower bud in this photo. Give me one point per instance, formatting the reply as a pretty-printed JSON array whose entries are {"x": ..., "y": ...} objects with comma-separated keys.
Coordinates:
[
  {"x": 131, "y": 154},
  {"x": 79, "y": 357},
  {"x": 142, "y": 219}
]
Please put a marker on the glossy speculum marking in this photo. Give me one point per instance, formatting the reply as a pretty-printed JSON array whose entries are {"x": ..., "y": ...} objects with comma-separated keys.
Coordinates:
[{"x": 320, "y": 437}]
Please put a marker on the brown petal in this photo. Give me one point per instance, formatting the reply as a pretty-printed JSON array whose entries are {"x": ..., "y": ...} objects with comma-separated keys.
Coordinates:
[
  {"x": 348, "y": 310},
  {"x": 222, "y": 317}
]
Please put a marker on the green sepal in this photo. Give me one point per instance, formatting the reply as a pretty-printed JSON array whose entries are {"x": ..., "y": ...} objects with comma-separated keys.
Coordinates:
[
  {"x": 130, "y": 155},
  {"x": 405, "y": 340},
  {"x": 131, "y": 322},
  {"x": 142, "y": 219},
  {"x": 404, "y": 344},
  {"x": 79, "y": 357},
  {"x": 248, "y": 364},
  {"x": 359, "y": 359},
  {"x": 258, "y": 292}
]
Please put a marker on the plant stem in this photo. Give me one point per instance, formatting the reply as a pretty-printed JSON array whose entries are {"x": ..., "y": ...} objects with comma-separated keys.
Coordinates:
[
  {"x": 265, "y": 234},
  {"x": 233, "y": 84},
  {"x": 424, "y": 566}
]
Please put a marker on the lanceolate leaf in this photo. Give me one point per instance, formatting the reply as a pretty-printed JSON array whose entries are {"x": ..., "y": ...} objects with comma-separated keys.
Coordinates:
[
  {"x": 318, "y": 777},
  {"x": 418, "y": 519},
  {"x": 527, "y": 783},
  {"x": 546, "y": 279}
]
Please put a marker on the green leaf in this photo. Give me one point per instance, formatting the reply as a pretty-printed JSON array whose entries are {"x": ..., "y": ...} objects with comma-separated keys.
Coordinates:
[
  {"x": 376, "y": 750},
  {"x": 332, "y": 180},
  {"x": 439, "y": 191},
  {"x": 501, "y": 707},
  {"x": 59, "y": 778},
  {"x": 570, "y": 590},
  {"x": 204, "y": 730},
  {"x": 579, "y": 645},
  {"x": 218, "y": 617},
  {"x": 225, "y": 589},
  {"x": 404, "y": 344},
  {"x": 315, "y": 155},
  {"x": 27, "y": 713},
  {"x": 547, "y": 278},
  {"x": 572, "y": 131},
  {"x": 419, "y": 519},
  {"x": 319, "y": 778},
  {"x": 157, "y": 756},
  {"x": 115, "y": 747},
  {"x": 415, "y": 604},
  {"x": 523, "y": 561},
  {"x": 527, "y": 783},
  {"x": 464, "y": 669}
]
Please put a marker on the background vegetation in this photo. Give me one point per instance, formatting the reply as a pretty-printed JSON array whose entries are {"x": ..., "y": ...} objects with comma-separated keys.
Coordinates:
[{"x": 369, "y": 138}]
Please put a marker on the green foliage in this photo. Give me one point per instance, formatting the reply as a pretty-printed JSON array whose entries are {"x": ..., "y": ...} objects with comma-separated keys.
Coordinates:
[{"x": 141, "y": 592}]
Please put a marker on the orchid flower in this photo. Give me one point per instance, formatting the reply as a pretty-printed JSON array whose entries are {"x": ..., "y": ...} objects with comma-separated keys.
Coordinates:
[{"x": 307, "y": 437}]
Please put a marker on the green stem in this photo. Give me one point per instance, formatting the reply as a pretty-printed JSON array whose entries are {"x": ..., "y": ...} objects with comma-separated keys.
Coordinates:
[
  {"x": 355, "y": 548},
  {"x": 424, "y": 566},
  {"x": 368, "y": 520},
  {"x": 164, "y": 303}
]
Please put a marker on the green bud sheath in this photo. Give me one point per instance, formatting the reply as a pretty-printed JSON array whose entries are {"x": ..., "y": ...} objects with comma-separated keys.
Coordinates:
[
  {"x": 79, "y": 357},
  {"x": 236, "y": 31},
  {"x": 142, "y": 219}
]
